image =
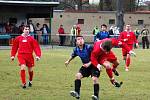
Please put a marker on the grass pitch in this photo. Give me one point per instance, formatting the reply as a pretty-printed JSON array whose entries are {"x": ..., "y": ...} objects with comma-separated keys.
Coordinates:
[{"x": 53, "y": 81}]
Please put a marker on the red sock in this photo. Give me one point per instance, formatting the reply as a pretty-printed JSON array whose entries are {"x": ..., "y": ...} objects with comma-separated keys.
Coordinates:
[
  {"x": 114, "y": 67},
  {"x": 30, "y": 75},
  {"x": 127, "y": 62},
  {"x": 109, "y": 73},
  {"x": 23, "y": 76}
]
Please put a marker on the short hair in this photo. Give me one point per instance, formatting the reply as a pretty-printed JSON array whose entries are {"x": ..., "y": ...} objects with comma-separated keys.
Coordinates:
[
  {"x": 26, "y": 26},
  {"x": 79, "y": 36},
  {"x": 107, "y": 45},
  {"x": 104, "y": 25}
]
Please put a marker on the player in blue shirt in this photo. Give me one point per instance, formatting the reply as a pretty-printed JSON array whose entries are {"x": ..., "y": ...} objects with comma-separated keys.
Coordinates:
[
  {"x": 102, "y": 34},
  {"x": 84, "y": 52}
]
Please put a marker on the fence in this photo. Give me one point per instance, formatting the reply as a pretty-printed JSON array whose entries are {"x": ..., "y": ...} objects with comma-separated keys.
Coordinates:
[{"x": 7, "y": 39}]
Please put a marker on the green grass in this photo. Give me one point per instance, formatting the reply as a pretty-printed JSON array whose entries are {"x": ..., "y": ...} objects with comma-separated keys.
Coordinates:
[{"x": 53, "y": 80}]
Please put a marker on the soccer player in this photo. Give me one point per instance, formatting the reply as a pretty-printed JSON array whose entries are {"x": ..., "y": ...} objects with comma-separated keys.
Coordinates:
[
  {"x": 102, "y": 34},
  {"x": 25, "y": 45},
  {"x": 102, "y": 55},
  {"x": 84, "y": 51},
  {"x": 129, "y": 38}
]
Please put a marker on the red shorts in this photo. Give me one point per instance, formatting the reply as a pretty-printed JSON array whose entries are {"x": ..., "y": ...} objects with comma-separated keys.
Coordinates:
[
  {"x": 26, "y": 59},
  {"x": 125, "y": 52},
  {"x": 107, "y": 57}
]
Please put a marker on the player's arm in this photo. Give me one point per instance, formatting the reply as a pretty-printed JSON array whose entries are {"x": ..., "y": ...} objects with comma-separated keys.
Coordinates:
[
  {"x": 14, "y": 48},
  {"x": 37, "y": 49},
  {"x": 124, "y": 46},
  {"x": 94, "y": 56},
  {"x": 73, "y": 55}
]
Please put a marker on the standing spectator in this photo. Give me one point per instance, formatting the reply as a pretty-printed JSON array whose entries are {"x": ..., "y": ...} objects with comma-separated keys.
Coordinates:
[
  {"x": 111, "y": 31},
  {"x": 145, "y": 41},
  {"x": 102, "y": 34},
  {"x": 129, "y": 38},
  {"x": 78, "y": 30},
  {"x": 95, "y": 31},
  {"x": 8, "y": 28},
  {"x": 73, "y": 35},
  {"x": 21, "y": 27},
  {"x": 45, "y": 30},
  {"x": 137, "y": 33},
  {"x": 25, "y": 45},
  {"x": 61, "y": 35},
  {"x": 38, "y": 32},
  {"x": 32, "y": 29}
]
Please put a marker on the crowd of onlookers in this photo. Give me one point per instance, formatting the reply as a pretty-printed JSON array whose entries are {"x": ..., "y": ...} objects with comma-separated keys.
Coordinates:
[
  {"x": 40, "y": 33},
  {"x": 101, "y": 33}
]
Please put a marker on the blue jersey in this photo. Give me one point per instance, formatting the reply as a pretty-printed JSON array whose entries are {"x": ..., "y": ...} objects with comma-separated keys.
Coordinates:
[
  {"x": 102, "y": 35},
  {"x": 84, "y": 54}
]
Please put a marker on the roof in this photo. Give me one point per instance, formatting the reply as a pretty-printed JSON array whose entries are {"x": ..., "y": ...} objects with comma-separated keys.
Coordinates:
[{"x": 28, "y": 3}]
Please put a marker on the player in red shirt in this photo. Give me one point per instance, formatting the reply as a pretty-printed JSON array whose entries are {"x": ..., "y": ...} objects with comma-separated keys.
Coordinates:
[
  {"x": 25, "y": 45},
  {"x": 102, "y": 55},
  {"x": 129, "y": 38}
]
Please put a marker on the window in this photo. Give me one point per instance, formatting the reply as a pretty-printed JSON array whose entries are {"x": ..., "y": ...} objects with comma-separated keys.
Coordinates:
[
  {"x": 140, "y": 22},
  {"x": 80, "y": 21},
  {"x": 111, "y": 21}
]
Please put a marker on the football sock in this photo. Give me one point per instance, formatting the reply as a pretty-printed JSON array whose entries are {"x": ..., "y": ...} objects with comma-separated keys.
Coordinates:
[
  {"x": 96, "y": 89},
  {"x": 128, "y": 62},
  {"x": 77, "y": 85},
  {"x": 30, "y": 75},
  {"x": 114, "y": 66},
  {"x": 23, "y": 76},
  {"x": 109, "y": 73}
]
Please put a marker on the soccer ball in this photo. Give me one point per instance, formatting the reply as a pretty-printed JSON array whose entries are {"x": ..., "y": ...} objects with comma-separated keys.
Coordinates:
[{"x": 94, "y": 2}]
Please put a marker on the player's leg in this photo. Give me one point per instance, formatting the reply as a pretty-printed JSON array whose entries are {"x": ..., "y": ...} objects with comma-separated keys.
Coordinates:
[
  {"x": 114, "y": 69},
  {"x": 30, "y": 64},
  {"x": 95, "y": 76},
  {"x": 127, "y": 62},
  {"x": 77, "y": 83},
  {"x": 30, "y": 71},
  {"x": 113, "y": 59},
  {"x": 23, "y": 75},
  {"x": 107, "y": 65},
  {"x": 22, "y": 65}
]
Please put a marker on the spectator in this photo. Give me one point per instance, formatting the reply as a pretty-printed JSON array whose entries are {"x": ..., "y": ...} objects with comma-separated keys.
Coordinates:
[
  {"x": 145, "y": 41},
  {"x": 111, "y": 33},
  {"x": 95, "y": 31},
  {"x": 8, "y": 28},
  {"x": 21, "y": 27},
  {"x": 78, "y": 30},
  {"x": 45, "y": 30},
  {"x": 61, "y": 35},
  {"x": 38, "y": 32},
  {"x": 73, "y": 35},
  {"x": 137, "y": 33},
  {"x": 32, "y": 29}
]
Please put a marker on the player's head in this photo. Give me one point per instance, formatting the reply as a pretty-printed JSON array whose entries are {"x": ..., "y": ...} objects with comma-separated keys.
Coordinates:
[
  {"x": 79, "y": 40},
  {"x": 128, "y": 27},
  {"x": 104, "y": 27},
  {"x": 26, "y": 30},
  {"x": 107, "y": 45}
]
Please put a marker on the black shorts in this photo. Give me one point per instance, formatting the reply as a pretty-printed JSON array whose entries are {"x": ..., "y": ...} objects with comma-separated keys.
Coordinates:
[{"x": 91, "y": 70}]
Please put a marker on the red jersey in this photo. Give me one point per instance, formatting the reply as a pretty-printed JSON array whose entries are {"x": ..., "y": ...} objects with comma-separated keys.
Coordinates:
[
  {"x": 25, "y": 45},
  {"x": 98, "y": 51},
  {"x": 128, "y": 37},
  {"x": 61, "y": 31}
]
